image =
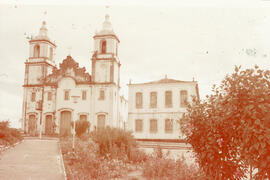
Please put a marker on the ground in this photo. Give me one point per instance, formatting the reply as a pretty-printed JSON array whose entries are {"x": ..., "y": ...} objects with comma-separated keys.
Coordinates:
[{"x": 32, "y": 159}]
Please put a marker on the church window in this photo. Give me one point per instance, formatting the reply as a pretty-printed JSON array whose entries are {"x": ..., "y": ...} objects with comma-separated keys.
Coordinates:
[
  {"x": 138, "y": 125},
  {"x": 153, "y": 99},
  {"x": 33, "y": 96},
  {"x": 101, "y": 121},
  {"x": 83, "y": 95},
  {"x": 83, "y": 117},
  {"x": 51, "y": 53},
  {"x": 37, "y": 51},
  {"x": 49, "y": 94},
  {"x": 66, "y": 95},
  {"x": 168, "y": 126},
  {"x": 153, "y": 126},
  {"x": 139, "y": 100},
  {"x": 183, "y": 98},
  {"x": 168, "y": 98},
  {"x": 103, "y": 46},
  {"x": 101, "y": 95}
]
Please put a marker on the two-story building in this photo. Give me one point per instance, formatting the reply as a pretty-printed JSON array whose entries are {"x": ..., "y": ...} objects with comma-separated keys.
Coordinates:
[{"x": 155, "y": 107}]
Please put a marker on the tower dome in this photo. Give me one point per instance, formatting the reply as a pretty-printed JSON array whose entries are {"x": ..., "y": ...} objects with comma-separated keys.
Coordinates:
[
  {"x": 106, "y": 26},
  {"x": 43, "y": 32}
]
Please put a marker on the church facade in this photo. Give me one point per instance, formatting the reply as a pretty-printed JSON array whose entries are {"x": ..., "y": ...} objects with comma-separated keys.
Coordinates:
[{"x": 55, "y": 97}]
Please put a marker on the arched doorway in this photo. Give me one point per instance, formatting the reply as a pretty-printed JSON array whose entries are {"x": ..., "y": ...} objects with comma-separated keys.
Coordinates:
[
  {"x": 101, "y": 121},
  {"x": 48, "y": 125},
  {"x": 65, "y": 126},
  {"x": 32, "y": 123}
]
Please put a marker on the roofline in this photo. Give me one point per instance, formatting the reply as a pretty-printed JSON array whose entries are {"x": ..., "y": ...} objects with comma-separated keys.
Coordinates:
[
  {"x": 104, "y": 35},
  {"x": 150, "y": 83},
  {"x": 38, "y": 40}
]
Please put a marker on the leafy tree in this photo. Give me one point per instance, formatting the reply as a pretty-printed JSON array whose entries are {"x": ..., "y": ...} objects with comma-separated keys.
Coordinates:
[{"x": 230, "y": 130}]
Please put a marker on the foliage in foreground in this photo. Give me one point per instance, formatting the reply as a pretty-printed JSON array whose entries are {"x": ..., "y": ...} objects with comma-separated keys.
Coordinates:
[
  {"x": 114, "y": 142},
  {"x": 81, "y": 127},
  {"x": 86, "y": 163},
  {"x": 159, "y": 166},
  {"x": 230, "y": 130},
  {"x": 8, "y": 136}
]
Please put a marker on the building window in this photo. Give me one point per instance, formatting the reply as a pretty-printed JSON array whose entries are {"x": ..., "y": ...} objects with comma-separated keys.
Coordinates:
[
  {"x": 101, "y": 95},
  {"x": 139, "y": 100},
  {"x": 66, "y": 93},
  {"x": 153, "y": 99},
  {"x": 168, "y": 98},
  {"x": 138, "y": 125},
  {"x": 33, "y": 96},
  {"x": 168, "y": 126},
  {"x": 36, "y": 50},
  {"x": 183, "y": 98},
  {"x": 49, "y": 96},
  {"x": 83, "y": 95},
  {"x": 103, "y": 47},
  {"x": 153, "y": 126}
]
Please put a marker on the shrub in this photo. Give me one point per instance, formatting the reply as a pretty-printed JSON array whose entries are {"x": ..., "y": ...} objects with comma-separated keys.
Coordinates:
[
  {"x": 81, "y": 127},
  {"x": 159, "y": 166},
  {"x": 114, "y": 142},
  {"x": 85, "y": 163},
  {"x": 8, "y": 136}
]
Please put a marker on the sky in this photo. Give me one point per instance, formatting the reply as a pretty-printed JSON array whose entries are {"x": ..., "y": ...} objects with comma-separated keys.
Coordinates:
[{"x": 180, "y": 39}]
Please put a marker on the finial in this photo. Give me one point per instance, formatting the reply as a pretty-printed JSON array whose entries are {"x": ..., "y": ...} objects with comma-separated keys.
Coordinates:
[{"x": 166, "y": 76}]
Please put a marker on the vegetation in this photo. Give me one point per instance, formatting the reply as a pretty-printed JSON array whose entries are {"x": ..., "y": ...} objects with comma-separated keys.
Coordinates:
[
  {"x": 112, "y": 153},
  {"x": 8, "y": 136},
  {"x": 159, "y": 166},
  {"x": 230, "y": 131},
  {"x": 81, "y": 127},
  {"x": 114, "y": 142}
]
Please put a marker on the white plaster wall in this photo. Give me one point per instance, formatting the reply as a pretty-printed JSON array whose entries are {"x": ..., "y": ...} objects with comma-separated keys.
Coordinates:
[
  {"x": 103, "y": 106},
  {"x": 81, "y": 107},
  {"x": 161, "y": 112},
  {"x": 35, "y": 72},
  {"x": 102, "y": 72},
  {"x": 110, "y": 44}
]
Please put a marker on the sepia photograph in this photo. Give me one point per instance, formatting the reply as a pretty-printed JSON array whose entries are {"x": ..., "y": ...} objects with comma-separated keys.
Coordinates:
[{"x": 135, "y": 90}]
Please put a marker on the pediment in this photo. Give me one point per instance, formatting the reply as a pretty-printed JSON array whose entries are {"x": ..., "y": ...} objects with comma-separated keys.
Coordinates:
[{"x": 69, "y": 68}]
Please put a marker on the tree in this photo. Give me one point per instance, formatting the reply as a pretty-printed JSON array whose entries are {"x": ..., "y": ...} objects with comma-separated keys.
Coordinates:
[{"x": 229, "y": 131}]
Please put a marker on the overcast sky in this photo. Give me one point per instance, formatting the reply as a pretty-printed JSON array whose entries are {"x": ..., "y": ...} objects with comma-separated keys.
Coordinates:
[{"x": 184, "y": 40}]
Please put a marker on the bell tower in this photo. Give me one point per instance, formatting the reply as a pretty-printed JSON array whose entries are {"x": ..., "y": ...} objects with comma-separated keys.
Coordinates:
[
  {"x": 41, "y": 57},
  {"x": 39, "y": 64},
  {"x": 105, "y": 61}
]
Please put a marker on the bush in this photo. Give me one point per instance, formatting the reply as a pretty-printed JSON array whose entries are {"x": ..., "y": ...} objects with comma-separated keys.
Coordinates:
[
  {"x": 113, "y": 142},
  {"x": 8, "y": 136},
  {"x": 81, "y": 127},
  {"x": 85, "y": 162},
  {"x": 159, "y": 166}
]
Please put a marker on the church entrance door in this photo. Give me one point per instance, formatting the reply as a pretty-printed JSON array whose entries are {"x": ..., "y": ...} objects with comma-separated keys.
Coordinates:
[
  {"x": 48, "y": 125},
  {"x": 32, "y": 123},
  {"x": 65, "y": 121},
  {"x": 101, "y": 121}
]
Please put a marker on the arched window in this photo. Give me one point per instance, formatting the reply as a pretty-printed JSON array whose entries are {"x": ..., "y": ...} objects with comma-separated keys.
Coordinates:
[
  {"x": 101, "y": 121},
  {"x": 103, "y": 47},
  {"x": 36, "y": 50},
  {"x": 51, "y": 53}
]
